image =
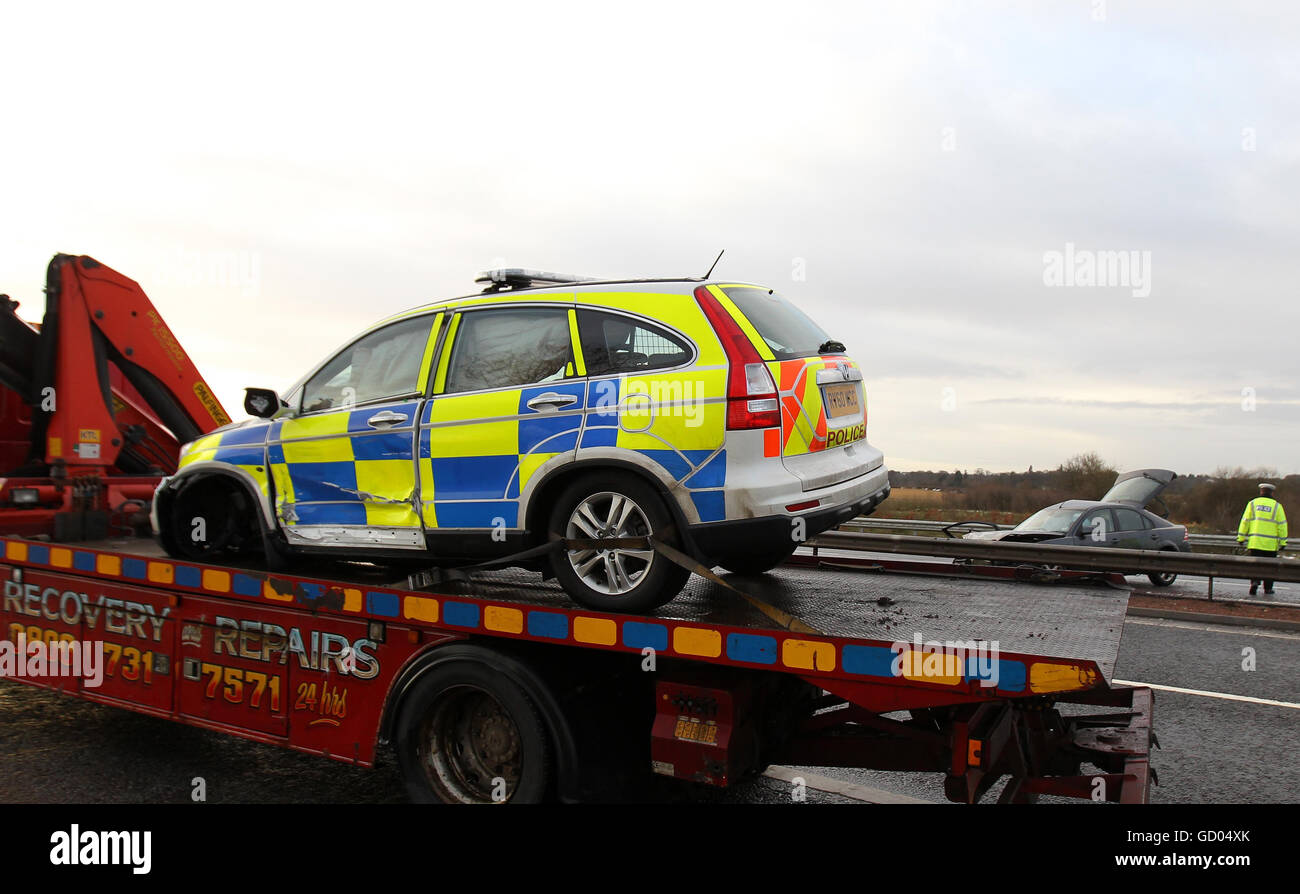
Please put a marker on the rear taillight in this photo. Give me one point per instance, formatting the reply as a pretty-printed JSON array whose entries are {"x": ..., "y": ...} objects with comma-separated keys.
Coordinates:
[{"x": 751, "y": 394}]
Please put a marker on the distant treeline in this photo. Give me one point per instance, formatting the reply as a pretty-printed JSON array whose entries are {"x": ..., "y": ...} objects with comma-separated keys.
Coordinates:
[{"x": 1209, "y": 503}]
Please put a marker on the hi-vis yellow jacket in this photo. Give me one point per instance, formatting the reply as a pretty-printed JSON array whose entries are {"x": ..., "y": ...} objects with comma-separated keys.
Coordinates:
[{"x": 1263, "y": 525}]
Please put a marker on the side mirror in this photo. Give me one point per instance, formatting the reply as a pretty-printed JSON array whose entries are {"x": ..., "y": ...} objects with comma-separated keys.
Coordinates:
[{"x": 262, "y": 402}]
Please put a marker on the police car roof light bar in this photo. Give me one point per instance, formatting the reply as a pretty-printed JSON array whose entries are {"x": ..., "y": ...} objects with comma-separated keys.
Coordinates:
[{"x": 521, "y": 278}]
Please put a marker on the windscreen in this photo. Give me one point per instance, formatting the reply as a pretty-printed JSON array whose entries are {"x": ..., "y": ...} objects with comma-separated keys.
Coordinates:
[{"x": 1053, "y": 519}]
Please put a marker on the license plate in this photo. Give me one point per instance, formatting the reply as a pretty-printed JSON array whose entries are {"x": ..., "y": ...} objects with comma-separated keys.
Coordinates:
[
  {"x": 696, "y": 731},
  {"x": 841, "y": 400}
]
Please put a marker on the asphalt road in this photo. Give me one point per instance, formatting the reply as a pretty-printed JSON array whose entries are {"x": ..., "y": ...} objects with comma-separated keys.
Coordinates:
[
  {"x": 1215, "y": 749},
  {"x": 1224, "y": 588},
  {"x": 1183, "y": 585}
]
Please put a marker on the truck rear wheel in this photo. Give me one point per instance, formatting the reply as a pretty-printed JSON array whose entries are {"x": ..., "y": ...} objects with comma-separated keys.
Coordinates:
[{"x": 467, "y": 734}]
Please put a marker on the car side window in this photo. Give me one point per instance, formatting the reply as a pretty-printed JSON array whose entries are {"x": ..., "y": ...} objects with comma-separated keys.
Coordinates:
[
  {"x": 614, "y": 343},
  {"x": 1127, "y": 520},
  {"x": 509, "y": 347},
  {"x": 1097, "y": 517},
  {"x": 384, "y": 364}
]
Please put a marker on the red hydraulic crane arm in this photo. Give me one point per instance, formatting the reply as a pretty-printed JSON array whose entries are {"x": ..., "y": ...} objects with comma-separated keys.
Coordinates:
[{"x": 96, "y": 316}]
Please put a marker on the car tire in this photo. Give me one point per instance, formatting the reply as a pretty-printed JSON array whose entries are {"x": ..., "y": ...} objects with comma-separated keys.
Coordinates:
[
  {"x": 207, "y": 518},
  {"x": 618, "y": 580},
  {"x": 1163, "y": 579},
  {"x": 758, "y": 563},
  {"x": 466, "y": 733},
  {"x": 276, "y": 554}
]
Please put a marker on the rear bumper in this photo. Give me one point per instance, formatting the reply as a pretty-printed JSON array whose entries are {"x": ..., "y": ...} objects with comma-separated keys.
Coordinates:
[{"x": 716, "y": 541}]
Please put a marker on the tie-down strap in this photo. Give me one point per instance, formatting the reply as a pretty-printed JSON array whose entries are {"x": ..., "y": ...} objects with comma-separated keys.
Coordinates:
[{"x": 433, "y": 577}]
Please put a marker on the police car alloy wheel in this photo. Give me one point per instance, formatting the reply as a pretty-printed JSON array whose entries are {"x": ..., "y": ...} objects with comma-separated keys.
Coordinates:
[
  {"x": 608, "y": 516},
  {"x": 610, "y": 506}
]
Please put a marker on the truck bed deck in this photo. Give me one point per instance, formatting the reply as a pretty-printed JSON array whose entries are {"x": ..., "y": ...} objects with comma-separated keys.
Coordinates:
[{"x": 1074, "y": 621}]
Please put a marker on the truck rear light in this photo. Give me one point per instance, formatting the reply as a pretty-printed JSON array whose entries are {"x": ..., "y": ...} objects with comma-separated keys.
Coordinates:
[{"x": 752, "y": 400}]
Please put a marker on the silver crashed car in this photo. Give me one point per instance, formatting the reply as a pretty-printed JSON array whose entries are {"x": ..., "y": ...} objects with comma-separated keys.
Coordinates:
[{"x": 1118, "y": 520}]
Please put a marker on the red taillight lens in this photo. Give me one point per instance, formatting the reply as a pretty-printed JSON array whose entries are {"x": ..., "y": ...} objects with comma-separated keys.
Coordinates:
[{"x": 751, "y": 394}]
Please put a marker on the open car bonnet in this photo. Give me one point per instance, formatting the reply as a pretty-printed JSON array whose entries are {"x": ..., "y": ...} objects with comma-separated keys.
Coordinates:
[{"x": 1139, "y": 487}]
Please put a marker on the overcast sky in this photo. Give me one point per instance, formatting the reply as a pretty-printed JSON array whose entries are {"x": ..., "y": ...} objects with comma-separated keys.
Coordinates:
[{"x": 917, "y": 178}]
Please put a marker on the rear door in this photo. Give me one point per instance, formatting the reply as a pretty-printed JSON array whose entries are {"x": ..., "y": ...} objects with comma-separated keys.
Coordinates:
[
  {"x": 508, "y": 404},
  {"x": 823, "y": 403},
  {"x": 1130, "y": 531}
]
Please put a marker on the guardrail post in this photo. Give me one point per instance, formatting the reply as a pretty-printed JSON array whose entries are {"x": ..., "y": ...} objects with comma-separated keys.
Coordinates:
[{"x": 1210, "y": 578}]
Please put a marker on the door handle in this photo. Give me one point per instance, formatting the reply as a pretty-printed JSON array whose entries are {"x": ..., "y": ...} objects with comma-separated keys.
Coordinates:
[
  {"x": 386, "y": 419},
  {"x": 553, "y": 400}
]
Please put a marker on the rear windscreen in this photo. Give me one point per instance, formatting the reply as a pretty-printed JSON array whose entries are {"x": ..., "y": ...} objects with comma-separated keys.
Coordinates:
[
  {"x": 1138, "y": 489},
  {"x": 786, "y": 329}
]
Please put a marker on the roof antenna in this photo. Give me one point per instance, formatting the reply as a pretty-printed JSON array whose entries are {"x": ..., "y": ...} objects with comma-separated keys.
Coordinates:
[{"x": 715, "y": 263}]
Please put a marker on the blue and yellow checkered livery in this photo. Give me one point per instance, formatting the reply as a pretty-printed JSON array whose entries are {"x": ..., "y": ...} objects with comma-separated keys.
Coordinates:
[
  {"x": 335, "y": 469},
  {"x": 468, "y": 461}
]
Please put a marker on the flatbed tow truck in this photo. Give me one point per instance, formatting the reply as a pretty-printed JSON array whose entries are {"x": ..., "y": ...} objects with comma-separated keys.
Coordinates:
[{"x": 498, "y": 688}]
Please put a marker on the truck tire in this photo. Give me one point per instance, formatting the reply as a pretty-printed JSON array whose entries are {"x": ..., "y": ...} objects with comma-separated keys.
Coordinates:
[
  {"x": 467, "y": 734},
  {"x": 612, "y": 504}
]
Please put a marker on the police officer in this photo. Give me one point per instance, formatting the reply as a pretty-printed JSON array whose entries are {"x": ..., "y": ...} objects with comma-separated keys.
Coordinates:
[{"x": 1263, "y": 529}]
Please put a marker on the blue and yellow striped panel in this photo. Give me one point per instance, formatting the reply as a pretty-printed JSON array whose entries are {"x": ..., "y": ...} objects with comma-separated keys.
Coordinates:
[
  {"x": 337, "y": 469},
  {"x": 683, "y": 437},
  {"x": 244, "y": 447},
  {"x": 478, "y": 452}
]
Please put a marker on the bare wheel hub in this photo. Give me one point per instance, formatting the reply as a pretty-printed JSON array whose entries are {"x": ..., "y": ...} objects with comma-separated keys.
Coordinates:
[{"x": 470, "y": 748}]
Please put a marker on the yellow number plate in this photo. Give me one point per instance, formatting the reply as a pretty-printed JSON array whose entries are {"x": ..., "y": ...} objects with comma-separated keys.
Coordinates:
[
  {"x": 695, "y": 731},
  {"x": 841, "y": 400}
]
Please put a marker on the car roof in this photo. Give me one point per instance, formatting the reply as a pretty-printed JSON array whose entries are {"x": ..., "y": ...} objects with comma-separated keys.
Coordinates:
[
  {"x": 552, "y": 291},
  {"x": 1098, "y": 504}
]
